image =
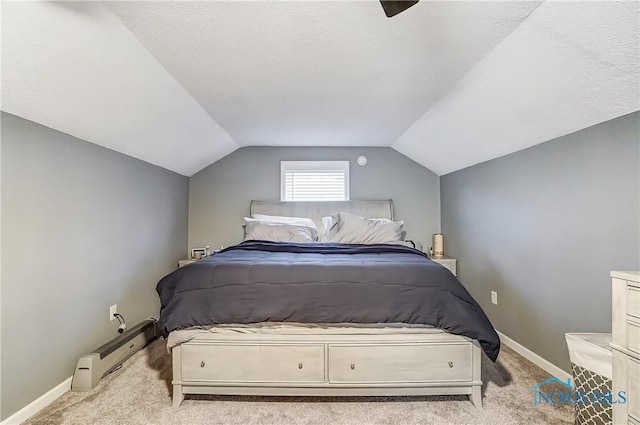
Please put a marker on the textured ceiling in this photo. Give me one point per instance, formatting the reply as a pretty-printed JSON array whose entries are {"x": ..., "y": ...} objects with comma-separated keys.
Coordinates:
[
  {"x": 318, "y": 73},
  {"x": 570, "y": 65},
  {"x": 449, "y": 84},
  {"x": 76, "y": 68}
]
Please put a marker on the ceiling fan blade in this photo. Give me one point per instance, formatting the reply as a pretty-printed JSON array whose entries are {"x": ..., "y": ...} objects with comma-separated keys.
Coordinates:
[{"x": 393, "y": 7}]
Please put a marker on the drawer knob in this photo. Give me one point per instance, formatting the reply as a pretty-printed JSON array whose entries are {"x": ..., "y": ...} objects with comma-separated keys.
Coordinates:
[
  {"x": 300, "y": 365},
  {"x": 450, "y": 363},
  {"x": 202, "y": 363},
  {"x": 353, "y": 366}
]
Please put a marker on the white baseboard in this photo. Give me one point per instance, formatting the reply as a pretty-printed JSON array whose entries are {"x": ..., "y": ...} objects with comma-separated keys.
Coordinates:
[
  {"x": 534, "y": 358},
  {"x": 38, "y": 404}
]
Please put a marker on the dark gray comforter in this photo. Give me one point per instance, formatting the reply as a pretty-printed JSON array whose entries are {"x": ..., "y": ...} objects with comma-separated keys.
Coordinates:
[{"x": 259, "y": 281}]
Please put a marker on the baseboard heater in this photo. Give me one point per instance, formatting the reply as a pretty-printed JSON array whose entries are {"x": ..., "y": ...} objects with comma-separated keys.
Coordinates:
[{"x": 95, "y": 365}]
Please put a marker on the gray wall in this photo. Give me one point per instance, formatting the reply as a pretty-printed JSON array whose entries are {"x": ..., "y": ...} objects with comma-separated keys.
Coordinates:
[
  {"x": 83, "y": 228},
  {"x": 544, "y": 227},
  {"x": 219, "y": 195}
]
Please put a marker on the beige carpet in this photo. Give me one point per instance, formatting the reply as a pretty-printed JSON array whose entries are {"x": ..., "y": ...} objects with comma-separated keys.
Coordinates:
[{"x": 140, "y": 393}]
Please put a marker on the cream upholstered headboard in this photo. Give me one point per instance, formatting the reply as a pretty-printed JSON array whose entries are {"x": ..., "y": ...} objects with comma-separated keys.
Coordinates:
[{"x": 319, "y": 209}]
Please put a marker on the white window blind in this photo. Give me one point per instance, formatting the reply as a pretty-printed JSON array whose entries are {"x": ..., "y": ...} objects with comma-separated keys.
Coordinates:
[{"x": 314, "y": 180}]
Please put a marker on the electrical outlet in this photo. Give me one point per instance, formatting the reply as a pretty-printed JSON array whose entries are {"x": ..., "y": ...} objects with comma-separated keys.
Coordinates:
[
  {"x": 113, "y": 310},
  {"x": 494, "y": 297}
]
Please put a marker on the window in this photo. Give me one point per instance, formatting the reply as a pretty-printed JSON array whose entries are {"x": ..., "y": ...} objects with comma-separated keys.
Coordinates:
[{"x": 314, "y": 180}]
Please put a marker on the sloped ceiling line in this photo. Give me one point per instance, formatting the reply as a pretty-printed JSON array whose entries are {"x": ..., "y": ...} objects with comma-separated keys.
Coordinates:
[
  {"x": 567, "y": 67},
  {"x": 448, "y": 84},
  {"x": 75, "y": 67}
]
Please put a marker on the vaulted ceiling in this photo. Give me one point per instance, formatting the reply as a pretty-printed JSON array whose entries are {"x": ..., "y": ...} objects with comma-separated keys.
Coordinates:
[{"x": 447, "y": 83}]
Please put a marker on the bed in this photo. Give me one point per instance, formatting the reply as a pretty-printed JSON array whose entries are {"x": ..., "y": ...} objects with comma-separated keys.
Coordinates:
[{"x": 322, "y": 319}]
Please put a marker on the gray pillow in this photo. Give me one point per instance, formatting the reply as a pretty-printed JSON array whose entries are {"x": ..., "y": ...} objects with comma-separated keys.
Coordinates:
[
  {"x": 329, "y": 228},
  {"x": 360, "y": 230}
]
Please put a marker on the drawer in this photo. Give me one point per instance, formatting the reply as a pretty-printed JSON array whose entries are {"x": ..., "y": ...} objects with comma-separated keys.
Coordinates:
[
  {"x": 253, "y": 363},
  {"x": 633, "y": 394},
  {"x": 400, "y": 363},
  {"x": 633, "y": 301},
  {"x": 633, "y": 335}
]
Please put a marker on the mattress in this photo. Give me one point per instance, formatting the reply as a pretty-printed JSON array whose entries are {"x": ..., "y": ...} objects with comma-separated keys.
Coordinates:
[{"x": 285, "y": 329}]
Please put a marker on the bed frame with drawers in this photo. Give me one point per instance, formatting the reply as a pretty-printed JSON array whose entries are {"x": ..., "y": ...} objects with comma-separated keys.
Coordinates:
[
  {"x": 432, "y": 362},
  {"x": 314, "y": 364}
]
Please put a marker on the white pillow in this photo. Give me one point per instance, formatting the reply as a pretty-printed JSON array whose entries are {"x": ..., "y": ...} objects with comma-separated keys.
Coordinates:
[
  {"x": 279, "y": 232},
  {"x": 360, "y": 230},
  {"x": 302, "y": 221}
]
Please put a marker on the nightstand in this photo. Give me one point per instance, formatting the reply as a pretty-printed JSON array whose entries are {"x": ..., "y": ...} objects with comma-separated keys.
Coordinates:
[
  {"x": 448, "y": 262},
  {"x": 185, "y": 262}
]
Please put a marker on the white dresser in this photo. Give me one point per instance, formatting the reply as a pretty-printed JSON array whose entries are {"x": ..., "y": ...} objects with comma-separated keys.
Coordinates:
[{"x": 625, "y": 343}]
